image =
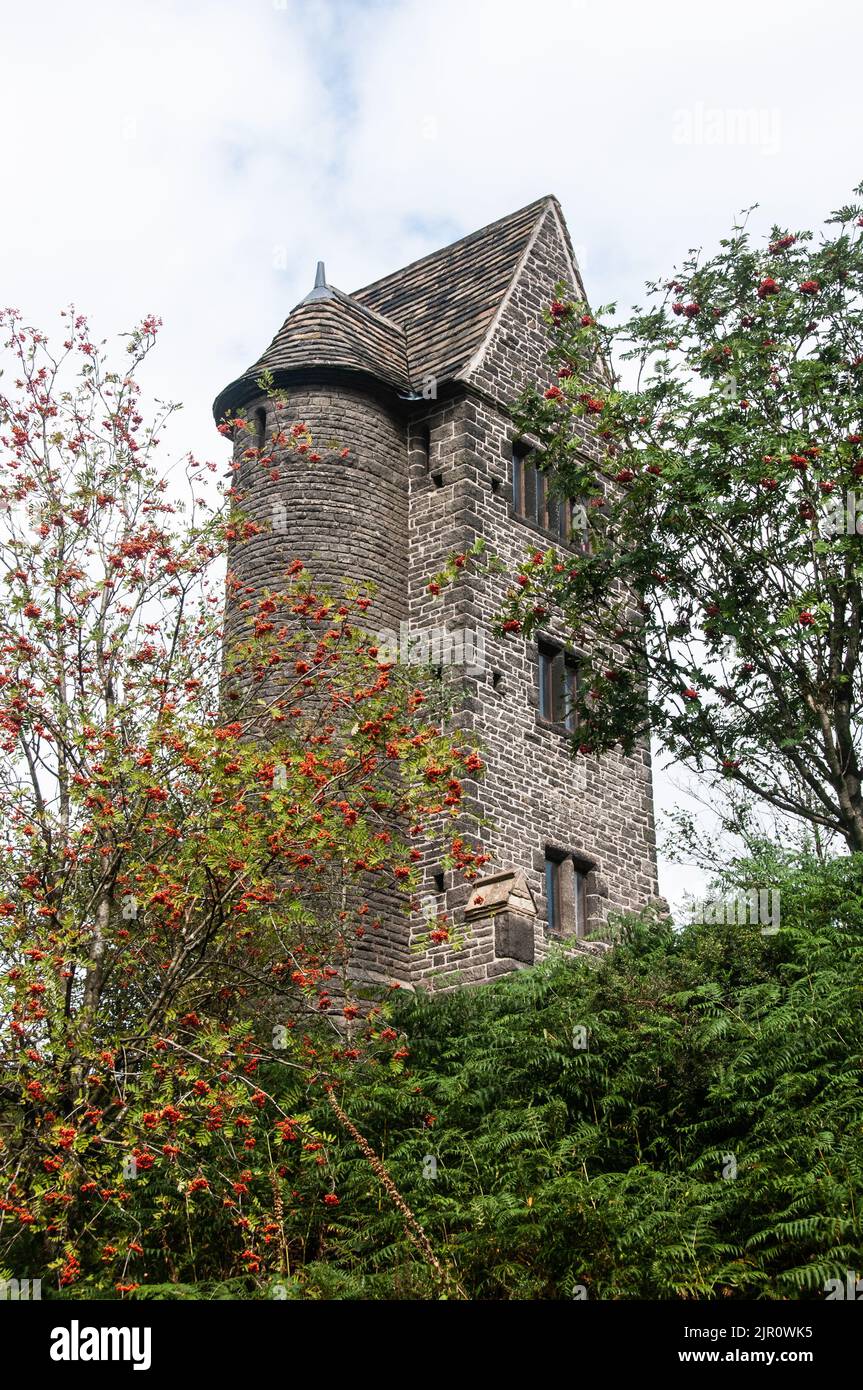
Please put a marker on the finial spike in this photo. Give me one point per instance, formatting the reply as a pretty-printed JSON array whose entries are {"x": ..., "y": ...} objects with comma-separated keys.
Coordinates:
[{"x": 322, "y": 289}]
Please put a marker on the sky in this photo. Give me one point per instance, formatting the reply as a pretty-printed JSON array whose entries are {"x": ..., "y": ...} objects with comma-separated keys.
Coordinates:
[{"x": 196, "y": 160}]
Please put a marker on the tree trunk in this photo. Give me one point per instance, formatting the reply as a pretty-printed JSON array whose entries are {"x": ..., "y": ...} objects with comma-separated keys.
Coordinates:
[{"x": 96, "y": 964}]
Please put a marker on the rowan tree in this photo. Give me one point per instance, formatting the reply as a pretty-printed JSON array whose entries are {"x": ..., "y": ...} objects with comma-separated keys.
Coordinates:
[
  {"x": 718, "y": 601},
  {"x": 194, "y": 841}
]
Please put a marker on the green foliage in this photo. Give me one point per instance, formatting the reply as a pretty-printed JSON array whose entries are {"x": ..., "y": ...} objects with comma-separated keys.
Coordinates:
[{"x": 714, "y": 1049}]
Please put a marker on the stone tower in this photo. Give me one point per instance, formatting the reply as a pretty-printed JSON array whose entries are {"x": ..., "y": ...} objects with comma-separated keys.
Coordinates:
[{"x": 415, "y": 376}]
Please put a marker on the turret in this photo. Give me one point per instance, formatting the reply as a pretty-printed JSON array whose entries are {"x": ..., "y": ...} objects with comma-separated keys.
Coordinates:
[{"x": 340, "y": 369}]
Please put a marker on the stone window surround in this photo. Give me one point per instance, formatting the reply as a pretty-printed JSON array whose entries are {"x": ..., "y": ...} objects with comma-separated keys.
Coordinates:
[
  {"x": 544, "y": 498},
  {"x": 572, "y": 659},
  {"x": 595, "y": 887},
  {"x": 524, "y": 447},
  {"x": 576, "y": 655}
]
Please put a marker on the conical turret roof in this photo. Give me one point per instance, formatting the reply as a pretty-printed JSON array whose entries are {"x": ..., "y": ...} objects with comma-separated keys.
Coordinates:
[{"x": 326, "y": 330}]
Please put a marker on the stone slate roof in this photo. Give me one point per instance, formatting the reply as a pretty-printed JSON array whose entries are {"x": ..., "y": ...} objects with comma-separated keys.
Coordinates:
[
  {"x": 431, "y": 317},
  {"x": 447, "y": 301},
  {"x": 330, "y": 331}
]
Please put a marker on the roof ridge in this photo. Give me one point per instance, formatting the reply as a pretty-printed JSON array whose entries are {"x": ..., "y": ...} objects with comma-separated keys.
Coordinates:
[{"x": 459, "y": 241}]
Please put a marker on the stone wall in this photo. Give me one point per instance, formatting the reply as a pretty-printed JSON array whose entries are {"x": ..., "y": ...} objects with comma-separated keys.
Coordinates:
[
  {"x": 533, "y": 794},
  {"x": 343, "y": 517}
]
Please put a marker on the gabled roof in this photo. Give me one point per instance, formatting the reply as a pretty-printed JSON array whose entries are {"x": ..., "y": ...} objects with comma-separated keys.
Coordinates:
[
  {"x": 430, "y": 318},
  {"x": 447, "y": 301}
]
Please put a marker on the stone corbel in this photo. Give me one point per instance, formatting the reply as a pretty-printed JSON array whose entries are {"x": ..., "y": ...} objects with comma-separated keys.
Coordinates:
[{"x": 506, "y": 899}]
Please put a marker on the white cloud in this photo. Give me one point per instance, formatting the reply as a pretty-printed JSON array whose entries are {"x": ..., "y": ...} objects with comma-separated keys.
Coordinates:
[{"x": 195, "y": 160}]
